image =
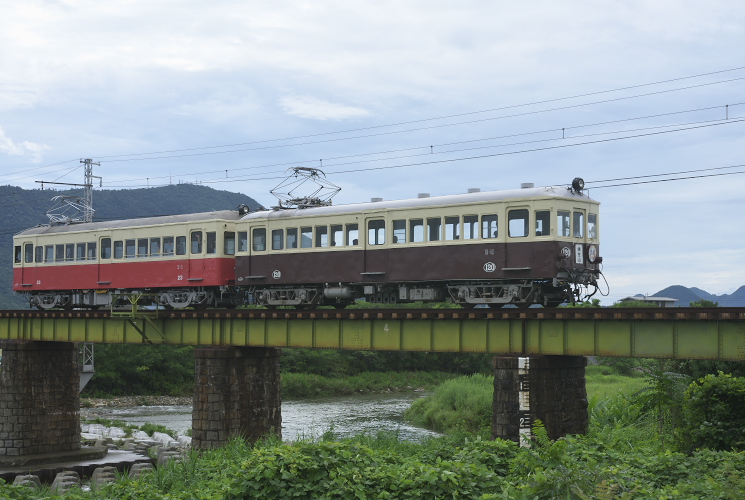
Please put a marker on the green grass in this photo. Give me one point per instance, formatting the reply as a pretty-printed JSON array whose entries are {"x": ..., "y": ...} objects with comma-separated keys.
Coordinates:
[{"x": 302, "y": 385}]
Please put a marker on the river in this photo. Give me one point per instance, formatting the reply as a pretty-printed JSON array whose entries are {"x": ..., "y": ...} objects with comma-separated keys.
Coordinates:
[{"x": 301, "y": 419}]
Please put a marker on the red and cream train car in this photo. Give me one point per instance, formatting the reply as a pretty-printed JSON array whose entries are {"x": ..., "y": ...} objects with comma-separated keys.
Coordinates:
[{"x": 522, "y": 247}]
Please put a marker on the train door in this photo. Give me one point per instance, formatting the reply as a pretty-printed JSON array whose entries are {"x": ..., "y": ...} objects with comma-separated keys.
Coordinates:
[
  {"x": 257, "y": 265},
  {"x": 375, "y": 253},
  {"x": 517, "y": 252},
  {"x": 195, "y": 271},
  {"x": 25, "y": 257},
  {"x": 579, "y": 234},
  {"x": 104, "y": 261}
]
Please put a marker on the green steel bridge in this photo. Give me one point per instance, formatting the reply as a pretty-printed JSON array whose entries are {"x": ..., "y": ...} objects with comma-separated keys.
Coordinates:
[{"x": 679, "y": 333}]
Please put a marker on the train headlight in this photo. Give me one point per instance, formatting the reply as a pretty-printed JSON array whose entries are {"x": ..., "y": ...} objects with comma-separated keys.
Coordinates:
[
  {"x": 592, "y": 253},
  {"x": 565, "y": 253}
]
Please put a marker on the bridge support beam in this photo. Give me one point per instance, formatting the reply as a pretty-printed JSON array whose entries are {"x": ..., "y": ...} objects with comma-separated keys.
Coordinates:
[
  {"x": 39, "y": 398},
  {"x": 549, "y": 388},
  {"x": 236, "y": 394}
]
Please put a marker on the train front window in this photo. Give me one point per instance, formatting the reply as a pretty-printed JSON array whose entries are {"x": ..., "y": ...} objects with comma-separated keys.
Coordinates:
[
  {"x": 28, "y": 249},
  {"x": 242, "y": 241},
  {"x": 130, "y": 247},
  {"x": 322, "y": 236},
  {"x": 211, "y": 242},
  {"x": 578, "y": 224},
  {"x": 118, "y": 249},
  {"x": 337, "y": 236},
  {"x": 196, "y": 242},
  {"x": 105, "y": 248},
  {"x": 470, "y": 227},
  {"x": 592, "y": 226},
  {"x": 292, "y": 238},
  {"x": 40, "y": 254},
  {"x": 258, "y": 239},
  {"x": 142, "y": 247},
  {"x": 399, "y": 231},
  {"x": 229, "y": 243},
  {"x": 353, "y": 234},
  {"x": 416, "y": 230},
  {"x": 17, "y": 258},
  {"x": 180, "y": 245},
  {"x": 168, "y": 246},
  {"x": 306, "y": 237},
  {"x": 154, "y": 247},
  {"x": 543, "y": 222},
  {"x": 278, "y": 236},
  {"x": 489, "y": 226},
  {"x": 517, "y": 223},
  {"x": 434, "y": 229},
  {"x": 452, "y": 228},
  {"x": 376, "y": 232},
  {"x": 562, "y": 221}
]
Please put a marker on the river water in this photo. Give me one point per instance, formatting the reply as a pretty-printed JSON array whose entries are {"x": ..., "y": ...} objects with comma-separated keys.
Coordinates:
[{"x": 302, "y": 419}]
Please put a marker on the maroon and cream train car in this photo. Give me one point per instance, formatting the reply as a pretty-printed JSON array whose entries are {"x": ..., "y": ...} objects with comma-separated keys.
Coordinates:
[
  {"x": 522, "y": 247},
  {"x": 180, "y": 260}
]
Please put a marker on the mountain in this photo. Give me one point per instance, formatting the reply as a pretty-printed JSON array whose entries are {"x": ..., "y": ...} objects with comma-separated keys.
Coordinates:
[
  {"x": 687, "y": 295},
  {"x": 27, "y": 208}
]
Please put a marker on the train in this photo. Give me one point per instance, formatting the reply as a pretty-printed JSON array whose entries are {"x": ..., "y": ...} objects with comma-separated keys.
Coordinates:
[{"x": 533, "y": 245}]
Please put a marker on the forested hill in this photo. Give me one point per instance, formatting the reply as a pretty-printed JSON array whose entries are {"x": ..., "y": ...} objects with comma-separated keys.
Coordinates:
[{"x": 23, "y": 208}]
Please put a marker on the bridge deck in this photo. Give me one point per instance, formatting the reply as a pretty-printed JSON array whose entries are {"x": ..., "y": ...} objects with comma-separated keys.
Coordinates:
[{"x": 683, "y": 333}]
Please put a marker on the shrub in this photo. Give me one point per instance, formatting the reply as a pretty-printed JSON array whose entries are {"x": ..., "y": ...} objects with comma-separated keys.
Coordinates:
[{"x": 715, "y": 413}]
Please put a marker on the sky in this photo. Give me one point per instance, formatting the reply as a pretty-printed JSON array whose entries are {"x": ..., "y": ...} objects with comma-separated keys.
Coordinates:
[{"x": 396, "y": 98}]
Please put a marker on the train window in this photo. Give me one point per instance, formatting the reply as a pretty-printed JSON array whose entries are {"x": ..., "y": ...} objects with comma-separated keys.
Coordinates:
[
  {"x": 399, "y": 231},
  {"x": 154, "y": 247},
  {"x": 306, "y": 237},
  {"x": 242, "y": 241},
  {"x": 278, "y": 236},
  {"x": 196, "y": 242},
  {"x": 452, "y": 228},
  {"x": 91, "y": 250},
  {"x": 17, "y": 258},
  {"x": 59, "y": 253},
  {"x": 562, "y": 221},
  {"x": 322, "y": 236},
  {"x": 142, "y": 247},
  {"x": 517, "y": 223},
  {"x": 70, "y": 252},
  {"x": 29, "y": 252},
  {"x": 180, "y": 245},
  {"x": 592, "y": 226},
  {"x": 489, "y": 226},
  {"x": 130, "y": 246},
  {"x": 416, "y": 230},
  {"x": 40, "y": 254},
  {"x": 337, "y": 236},
  {"x": 168, "y": 246},
  {"x": 353, "y": 234},
  {"x": 578, "y": 224},
  {"x": 229, "y": 243},
  {"x": 376, "y": 232},
  {"x": 118, "y": 249},
  {"x": 543, "y": 223},
  {"x": 105, "y": 248},
  {"x": 470, "y": 227},
  {"x": 292, "y": 238},
  {"x": 211, "y": 242},
  {"x": 434, "y": 229},
  {"x": 258, "y": 238},
  {"x": 49, "y": 253}
]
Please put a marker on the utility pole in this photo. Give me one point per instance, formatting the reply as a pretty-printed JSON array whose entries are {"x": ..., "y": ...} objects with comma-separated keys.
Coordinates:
[{"x": 88, "y": 197}]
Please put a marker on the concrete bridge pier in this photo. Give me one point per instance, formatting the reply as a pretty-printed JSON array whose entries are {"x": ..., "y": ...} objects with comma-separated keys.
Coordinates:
[
  {"x": 236, "y": 394},
  {"x": 549, "y": 388},
  {"x": 39, "y": 398}
]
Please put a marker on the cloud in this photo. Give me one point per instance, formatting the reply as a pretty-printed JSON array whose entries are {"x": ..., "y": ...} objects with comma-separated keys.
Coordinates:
[
  {"x": 318, "y": 109},
  {"x": 23, "y": 148}
]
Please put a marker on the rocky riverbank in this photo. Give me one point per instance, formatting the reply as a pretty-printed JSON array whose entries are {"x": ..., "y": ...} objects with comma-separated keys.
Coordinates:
[{"x": 132, "y": 401}]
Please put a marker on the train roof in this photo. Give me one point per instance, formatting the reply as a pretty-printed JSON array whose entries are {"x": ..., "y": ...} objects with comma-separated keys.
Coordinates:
[
  {"x": 455, "y": 199},
  {"x": 124, "y": 223}
]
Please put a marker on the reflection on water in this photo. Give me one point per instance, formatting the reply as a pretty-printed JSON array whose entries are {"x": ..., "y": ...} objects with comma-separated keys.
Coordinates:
[{"x": 307, "y": 418}]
